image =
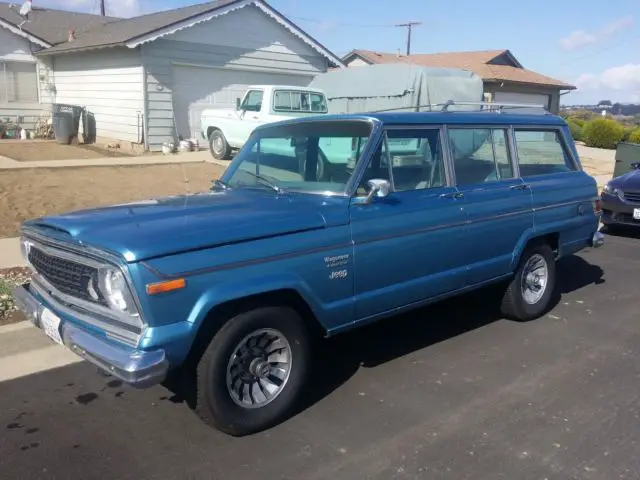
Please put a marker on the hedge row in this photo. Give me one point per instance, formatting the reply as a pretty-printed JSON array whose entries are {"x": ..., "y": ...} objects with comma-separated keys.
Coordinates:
[{"x": 602, "y": 132}]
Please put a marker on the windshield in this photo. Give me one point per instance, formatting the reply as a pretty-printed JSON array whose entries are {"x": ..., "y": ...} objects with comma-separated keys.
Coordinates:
[{"x": 313, "y": 157}]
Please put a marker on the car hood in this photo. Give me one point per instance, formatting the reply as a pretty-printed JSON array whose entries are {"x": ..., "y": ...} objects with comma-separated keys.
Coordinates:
[
  {"x": 169, "y": 225},
  {"x": 629, "y": 181}
]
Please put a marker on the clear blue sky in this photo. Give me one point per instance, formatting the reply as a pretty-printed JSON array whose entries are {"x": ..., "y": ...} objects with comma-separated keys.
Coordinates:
[{"x": 594, "y": 44}]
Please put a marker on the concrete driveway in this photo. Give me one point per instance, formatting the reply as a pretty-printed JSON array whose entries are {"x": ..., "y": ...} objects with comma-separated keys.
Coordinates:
[{"x": 448, "y": 392}]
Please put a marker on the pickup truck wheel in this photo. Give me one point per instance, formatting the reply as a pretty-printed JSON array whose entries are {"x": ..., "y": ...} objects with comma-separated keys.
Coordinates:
[
  {"x": 218, "y": 145},
  {"x": 528, "y": 295},
  {"x": 252, "y": 373}
]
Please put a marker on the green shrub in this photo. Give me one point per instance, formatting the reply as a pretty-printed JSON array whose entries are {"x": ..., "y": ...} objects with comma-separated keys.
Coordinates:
[
  {"x": 634, "y": 136},
  {"x": 575, "y": 129},
  {"x": 602, "y": 133}
]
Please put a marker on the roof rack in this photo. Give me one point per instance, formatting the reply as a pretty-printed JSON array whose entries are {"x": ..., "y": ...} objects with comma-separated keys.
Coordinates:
[
  {"x": 483, "y": 106},
  {"x": 493, "y": 106}
]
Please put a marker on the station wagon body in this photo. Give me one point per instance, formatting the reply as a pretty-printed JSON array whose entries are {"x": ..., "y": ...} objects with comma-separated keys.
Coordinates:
[{"x": 232, "y": 283}]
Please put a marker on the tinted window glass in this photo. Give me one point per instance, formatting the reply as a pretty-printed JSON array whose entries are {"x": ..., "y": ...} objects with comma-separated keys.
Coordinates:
[
  {"x": 541, "y": 152},
  {"x": 415, "y": 157},
  {"x": 480, "y": 155}
]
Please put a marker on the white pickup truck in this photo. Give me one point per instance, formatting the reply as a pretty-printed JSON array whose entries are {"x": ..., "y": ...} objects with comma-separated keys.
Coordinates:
[{"x": 229, "y": 129}]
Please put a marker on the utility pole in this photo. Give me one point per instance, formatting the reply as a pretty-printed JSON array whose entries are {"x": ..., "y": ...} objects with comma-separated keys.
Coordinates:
[
  {"x": 409, "y": 25},
  {"x": 102, "y": 9}
]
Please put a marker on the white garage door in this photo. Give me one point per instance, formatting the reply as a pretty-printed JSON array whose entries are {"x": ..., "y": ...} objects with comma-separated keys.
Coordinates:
[
  {"x": 526, "y": 98},
  {"x": 198, "y": 88}
]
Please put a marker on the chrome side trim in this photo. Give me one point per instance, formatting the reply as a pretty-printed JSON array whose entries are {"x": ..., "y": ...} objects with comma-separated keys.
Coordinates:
[
  {"x": 299, "y": 253},
  {"x": 139, "y": 368}
]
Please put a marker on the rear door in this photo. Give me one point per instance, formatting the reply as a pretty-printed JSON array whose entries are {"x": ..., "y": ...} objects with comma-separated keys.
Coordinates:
[
  {"x": 498, "y": 203},
  {"x": 562, "y": 192}
]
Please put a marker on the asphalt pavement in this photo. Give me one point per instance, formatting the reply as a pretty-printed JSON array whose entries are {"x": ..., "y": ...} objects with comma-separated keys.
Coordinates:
[{"x": 449, "y": 392}]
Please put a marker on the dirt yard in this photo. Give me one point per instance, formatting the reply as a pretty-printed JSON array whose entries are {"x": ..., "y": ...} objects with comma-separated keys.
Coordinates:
[
  {"x": 31, "y": 193},
  {"x": 39, "y": 150}
]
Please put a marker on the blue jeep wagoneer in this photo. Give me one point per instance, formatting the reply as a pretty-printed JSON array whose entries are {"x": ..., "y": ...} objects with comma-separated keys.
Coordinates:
[{"x": 232, "y": 284}]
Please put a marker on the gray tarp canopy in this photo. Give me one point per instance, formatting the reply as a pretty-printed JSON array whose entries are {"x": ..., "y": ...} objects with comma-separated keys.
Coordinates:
[
  {"x": 404, "y": 88},
  {"x": 397, "y": 86}
]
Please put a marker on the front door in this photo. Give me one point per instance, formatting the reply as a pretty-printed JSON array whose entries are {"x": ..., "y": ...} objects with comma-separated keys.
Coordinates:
[
  {"x": 408, "y": 245},
  {"x": 499, "y": 205}
]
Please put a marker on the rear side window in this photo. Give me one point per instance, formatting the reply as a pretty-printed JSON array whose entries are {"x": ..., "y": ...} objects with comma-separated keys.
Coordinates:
[
  {"x": 542, "y": 152},
  {"x": 480, "y": 155},
  {"x": 298, "y": 101}
]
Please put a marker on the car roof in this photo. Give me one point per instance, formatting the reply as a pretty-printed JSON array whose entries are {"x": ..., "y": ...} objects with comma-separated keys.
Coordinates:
[{"x": 436, "y": 118}]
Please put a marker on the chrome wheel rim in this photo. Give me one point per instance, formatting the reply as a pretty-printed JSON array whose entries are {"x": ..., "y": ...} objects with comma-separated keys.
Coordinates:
[
  {"x": 259, "y": 368},
  {"x": 217, "y": 144},
  {"x": 535, "y": 277}
]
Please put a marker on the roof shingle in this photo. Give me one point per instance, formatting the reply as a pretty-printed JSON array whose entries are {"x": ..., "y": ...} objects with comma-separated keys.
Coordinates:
[
  {"x": 52, "y": 26},
  {"x": 478, "y": 62}
]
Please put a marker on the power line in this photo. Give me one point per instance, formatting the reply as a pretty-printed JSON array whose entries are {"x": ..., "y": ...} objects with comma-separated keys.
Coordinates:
[{"x": 408, "y": 26}]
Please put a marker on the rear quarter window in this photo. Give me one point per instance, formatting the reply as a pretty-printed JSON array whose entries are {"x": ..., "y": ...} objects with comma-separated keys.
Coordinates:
[{"x": 542, "y": 152}]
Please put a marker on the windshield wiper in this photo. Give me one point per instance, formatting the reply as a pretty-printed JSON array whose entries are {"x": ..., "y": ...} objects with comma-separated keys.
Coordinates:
[{"x": 265, "y": 181}]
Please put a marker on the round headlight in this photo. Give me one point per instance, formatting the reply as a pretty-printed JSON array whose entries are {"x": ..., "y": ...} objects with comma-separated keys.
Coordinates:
[{"x": 114, "y": 288}]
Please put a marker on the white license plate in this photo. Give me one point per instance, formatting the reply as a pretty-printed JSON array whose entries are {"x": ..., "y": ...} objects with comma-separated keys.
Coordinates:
[
  {"x": 636, "y": 213},
  {"x": 51, "y": 325}
]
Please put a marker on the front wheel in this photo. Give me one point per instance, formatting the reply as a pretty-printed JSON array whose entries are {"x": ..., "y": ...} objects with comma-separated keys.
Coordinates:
[
  {"x": 529, "y": 294},
  {"x": 218, "y": 145},
  {"x": 252, "y": 373}
]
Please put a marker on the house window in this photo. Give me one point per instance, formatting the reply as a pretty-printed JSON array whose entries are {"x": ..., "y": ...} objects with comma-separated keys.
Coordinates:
[{"x": 18, "y": 82}]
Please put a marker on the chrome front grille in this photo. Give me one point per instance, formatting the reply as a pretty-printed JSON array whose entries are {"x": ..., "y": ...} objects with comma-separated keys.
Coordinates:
[
  {"x": 67, "y": 276},
  {"x": 632, "y": 197}
]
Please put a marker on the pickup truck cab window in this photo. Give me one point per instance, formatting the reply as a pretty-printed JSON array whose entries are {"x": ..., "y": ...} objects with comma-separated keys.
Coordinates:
[
  {"x": 307, "y": 157},
  {"x": 542, "y": 152},
  {"x": 299, "y": 101},
  {"x": 480, "y": 155},
  {"x": 252, "y": 101}
]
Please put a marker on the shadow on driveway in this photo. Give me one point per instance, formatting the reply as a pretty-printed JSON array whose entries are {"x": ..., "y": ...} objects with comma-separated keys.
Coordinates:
[{"x": 339, "y": 358}]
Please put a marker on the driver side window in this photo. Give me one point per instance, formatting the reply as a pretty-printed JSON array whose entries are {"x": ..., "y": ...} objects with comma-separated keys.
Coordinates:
[
  {"x": 416, "y": 161},
  {"x": 253, "y": 101}
]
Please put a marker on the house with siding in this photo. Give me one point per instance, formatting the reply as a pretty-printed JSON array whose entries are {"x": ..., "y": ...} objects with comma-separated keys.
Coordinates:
[
  {"x": 146, "y": 79},
  {"x": 505, "y": 79}
]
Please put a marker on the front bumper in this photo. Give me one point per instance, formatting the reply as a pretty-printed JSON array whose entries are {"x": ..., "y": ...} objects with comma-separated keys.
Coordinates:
[
  {"x": 618, "y": 212},
  {"x": 138, "y": 368}
]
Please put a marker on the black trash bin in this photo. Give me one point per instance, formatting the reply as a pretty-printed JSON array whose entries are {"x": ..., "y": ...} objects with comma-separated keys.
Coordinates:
[{"x": 66, "y": 121}]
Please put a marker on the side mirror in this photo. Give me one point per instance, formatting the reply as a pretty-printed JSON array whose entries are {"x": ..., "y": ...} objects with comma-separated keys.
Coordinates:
[
  {"x": 378, "y": 188},
  {"x": 238, "y": 103}
]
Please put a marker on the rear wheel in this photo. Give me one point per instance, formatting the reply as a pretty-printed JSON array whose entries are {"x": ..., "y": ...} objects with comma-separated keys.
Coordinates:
[
  {"x": 251, "y": 374},
  {"x": 218, "y": 145},
  {"x": 529, "y": 294}
]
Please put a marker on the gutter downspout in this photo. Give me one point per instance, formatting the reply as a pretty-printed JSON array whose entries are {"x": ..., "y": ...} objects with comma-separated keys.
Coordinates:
[{"x": 145, "y": 102}]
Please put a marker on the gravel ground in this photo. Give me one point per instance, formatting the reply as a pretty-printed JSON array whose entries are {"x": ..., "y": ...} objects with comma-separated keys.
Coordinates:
[{"x": 10, "y": 278}]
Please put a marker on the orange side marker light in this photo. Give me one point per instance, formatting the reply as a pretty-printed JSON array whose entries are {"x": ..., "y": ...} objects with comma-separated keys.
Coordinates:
[{"x": 168, "y": 286}]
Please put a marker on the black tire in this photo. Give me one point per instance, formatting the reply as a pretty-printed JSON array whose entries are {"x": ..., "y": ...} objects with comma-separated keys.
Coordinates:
[
  {"x": 214, "y": 402},
  {"x": 218, "y": 145},
  {"x": 514, "y": 305}
]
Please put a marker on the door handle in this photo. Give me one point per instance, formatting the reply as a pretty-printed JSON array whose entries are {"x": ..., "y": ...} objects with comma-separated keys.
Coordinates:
[
  {"x": 452, "y": 195},
  {"x": 523, "y": 186}
]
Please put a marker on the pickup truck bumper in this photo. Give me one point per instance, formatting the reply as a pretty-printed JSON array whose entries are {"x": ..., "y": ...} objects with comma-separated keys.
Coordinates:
[{"x": 138, "y": 368}]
